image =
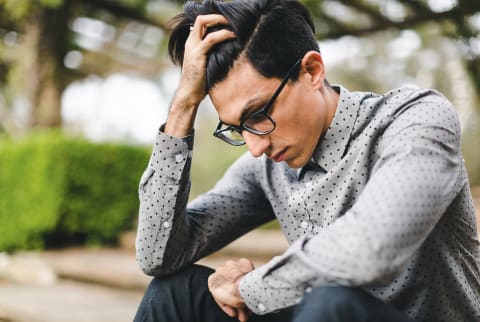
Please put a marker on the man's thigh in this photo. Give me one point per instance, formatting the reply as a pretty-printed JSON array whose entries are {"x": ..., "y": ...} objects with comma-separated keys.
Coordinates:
[
  {"x": 344, "y": 304},
  {"x": 184, "y": 296}
]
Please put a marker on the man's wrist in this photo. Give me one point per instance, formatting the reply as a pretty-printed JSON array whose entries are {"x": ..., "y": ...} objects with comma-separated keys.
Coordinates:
[
  {"x": 181, "y": 116},
  {"x": 186, "y": 100},
  {"x": 237, "y": 287}
]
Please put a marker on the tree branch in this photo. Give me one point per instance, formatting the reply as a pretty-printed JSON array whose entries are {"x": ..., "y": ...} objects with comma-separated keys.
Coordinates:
[
  {"x": 455, "y": 13},
  {"x": 417, "y": 6},
  {"x": 368, "y": 10},
  {"x": 123, "y": 11}
]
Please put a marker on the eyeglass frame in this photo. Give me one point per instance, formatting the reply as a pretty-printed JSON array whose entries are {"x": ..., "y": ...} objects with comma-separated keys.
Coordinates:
[{"x": 264, "y": 110}]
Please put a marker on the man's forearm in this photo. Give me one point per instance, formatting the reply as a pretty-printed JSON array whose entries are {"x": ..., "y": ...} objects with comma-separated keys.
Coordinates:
[
  {"x": 181, "y": 116},
  {"x": 192, "y": 87},
  {"x": 163, "y": 195}
]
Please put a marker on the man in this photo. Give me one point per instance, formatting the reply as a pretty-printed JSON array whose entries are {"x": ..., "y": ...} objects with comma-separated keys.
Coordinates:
[{"x": 370, "y": 190}]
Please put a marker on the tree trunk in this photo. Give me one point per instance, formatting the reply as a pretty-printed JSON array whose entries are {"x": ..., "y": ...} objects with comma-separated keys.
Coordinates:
[
  {"x": 473, "y": 69},
  {"x": 45, "y": 77}
]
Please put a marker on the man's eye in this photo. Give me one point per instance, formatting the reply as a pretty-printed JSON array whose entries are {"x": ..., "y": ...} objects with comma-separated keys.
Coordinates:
[{"x": 252, "y": 112}]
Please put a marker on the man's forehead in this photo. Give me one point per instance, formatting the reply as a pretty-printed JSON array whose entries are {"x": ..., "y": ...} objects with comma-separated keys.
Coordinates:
[{"x": 241, "y": 92}]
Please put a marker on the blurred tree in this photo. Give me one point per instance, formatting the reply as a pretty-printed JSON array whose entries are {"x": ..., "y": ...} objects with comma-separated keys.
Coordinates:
[
  {"x": 458, "y": 19},
  {"x": 49, "y": 43}
]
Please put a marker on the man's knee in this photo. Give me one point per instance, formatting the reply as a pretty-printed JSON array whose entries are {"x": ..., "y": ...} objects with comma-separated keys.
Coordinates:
[
  {"x": 191, "y": 276},
  {"x": 162, "y": 297}
]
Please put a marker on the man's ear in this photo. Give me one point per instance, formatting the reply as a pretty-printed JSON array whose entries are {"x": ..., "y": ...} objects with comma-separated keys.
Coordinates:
[{"x": 312, "y": 63}]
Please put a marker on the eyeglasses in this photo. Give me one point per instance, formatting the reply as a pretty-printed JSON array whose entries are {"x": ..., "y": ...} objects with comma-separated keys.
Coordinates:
[{"x": 259, "y": 122}]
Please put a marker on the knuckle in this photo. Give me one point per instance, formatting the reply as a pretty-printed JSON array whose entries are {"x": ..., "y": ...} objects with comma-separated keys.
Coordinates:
[
  {"x": 245, "y": 262},
  {"x": 210, "y": 39},
  {"x": 200, "y": 19}
]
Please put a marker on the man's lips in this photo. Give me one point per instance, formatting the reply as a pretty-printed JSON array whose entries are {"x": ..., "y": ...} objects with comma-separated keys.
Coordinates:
[{"x": 280, "y": 156}]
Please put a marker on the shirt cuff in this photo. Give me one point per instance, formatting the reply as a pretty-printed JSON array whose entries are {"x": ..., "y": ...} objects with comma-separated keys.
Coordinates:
[
  {"x": 268, "y": 289},
  {"x": 170, "y": 153}
]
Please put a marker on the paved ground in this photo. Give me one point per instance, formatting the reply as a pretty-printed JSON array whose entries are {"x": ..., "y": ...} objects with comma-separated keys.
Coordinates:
[
  {"x": 87, "y": 285},
  {"x": 66, "y": 301}
]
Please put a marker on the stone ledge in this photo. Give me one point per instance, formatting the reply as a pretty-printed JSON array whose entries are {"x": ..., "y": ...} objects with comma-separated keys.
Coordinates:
[{"x": 109, "y": 267}]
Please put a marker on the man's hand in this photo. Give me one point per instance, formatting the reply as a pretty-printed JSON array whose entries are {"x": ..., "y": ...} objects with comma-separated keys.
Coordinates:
[
  {"x": 191, "y": 89},
  {"x": 223, "y": 285},
  {"x": 197, "y": 46}
]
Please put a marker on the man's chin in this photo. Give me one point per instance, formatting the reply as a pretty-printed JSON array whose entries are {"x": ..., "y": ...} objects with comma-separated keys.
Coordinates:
[{"x": 296, "y": 163}]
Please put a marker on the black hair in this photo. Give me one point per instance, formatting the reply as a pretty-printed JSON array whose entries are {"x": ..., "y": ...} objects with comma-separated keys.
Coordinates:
[{"x": 273, "y": 34}]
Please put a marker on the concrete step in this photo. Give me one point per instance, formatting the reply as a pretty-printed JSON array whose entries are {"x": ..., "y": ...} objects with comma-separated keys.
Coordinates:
[
  {"x": 117, "y": 267},
  {"x": 66, "y": 301},
  {"x": 90, "y": 285}
]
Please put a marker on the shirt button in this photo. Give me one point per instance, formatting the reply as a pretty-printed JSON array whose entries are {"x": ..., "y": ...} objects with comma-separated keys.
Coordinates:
[
  {"x": 308, "y": 290},
  {"x": 166, "y": 224},
  {"x": 304, "y": 224},
  {"x": 179, "y": 158},
  {"x": 261, "y": 307}
]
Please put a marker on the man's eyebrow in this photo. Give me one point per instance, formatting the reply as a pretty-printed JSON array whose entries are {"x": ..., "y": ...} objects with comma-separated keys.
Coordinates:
[{"x": 251, "y": 105}]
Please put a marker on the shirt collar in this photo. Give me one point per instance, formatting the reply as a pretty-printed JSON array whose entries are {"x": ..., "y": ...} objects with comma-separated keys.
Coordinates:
[{"x": 333, "y": 145}]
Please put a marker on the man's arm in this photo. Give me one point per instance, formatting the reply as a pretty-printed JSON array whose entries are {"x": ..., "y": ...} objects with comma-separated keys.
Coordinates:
[
  {"x": 169, "y": 235},
  {"x": 192, "y": 90},
  {"x": 164, "y": 186},
  {"x": 374, "y": 240}
]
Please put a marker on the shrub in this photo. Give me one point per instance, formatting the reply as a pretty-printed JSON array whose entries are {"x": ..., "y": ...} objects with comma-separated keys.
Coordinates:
[
  {"x": 27, "y": 207},
  {"x": 63, "y": 187},
  {"x": 101, "y": 189}
]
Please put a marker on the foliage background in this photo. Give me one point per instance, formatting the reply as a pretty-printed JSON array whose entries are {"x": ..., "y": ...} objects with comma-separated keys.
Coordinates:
[{"x": 54, "y": 188}]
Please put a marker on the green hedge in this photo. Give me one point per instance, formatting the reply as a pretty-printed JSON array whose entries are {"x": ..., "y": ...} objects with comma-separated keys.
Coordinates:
[{"x": 55, "y": 189}]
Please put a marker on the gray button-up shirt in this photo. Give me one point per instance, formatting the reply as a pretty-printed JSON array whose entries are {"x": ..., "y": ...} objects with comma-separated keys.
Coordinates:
[{"x": 384, "y": 204}]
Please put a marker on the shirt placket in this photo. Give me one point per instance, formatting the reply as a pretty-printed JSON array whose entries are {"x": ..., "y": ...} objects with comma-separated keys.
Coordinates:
[{"x": 298, "y": 205}]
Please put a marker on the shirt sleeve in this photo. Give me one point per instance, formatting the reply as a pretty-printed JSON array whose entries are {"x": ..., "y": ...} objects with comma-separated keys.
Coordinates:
[
  {"x": 170, "y": 234},
  {"x": 418, "y": 174}
]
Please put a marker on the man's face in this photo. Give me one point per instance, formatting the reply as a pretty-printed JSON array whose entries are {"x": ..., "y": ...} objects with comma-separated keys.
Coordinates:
[{"x": 300, "y": 112}]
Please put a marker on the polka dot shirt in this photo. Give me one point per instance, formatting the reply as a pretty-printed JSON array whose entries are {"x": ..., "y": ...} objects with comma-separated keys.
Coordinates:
[{"x": 384, "y": 204}]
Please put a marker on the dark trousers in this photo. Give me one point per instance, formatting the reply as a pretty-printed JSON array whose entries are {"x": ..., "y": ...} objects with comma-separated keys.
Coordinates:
[{"x": 184, "y": 297}]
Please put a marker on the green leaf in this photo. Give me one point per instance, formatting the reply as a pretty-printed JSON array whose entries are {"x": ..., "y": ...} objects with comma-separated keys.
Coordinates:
[{"x": 51, "y": 3}]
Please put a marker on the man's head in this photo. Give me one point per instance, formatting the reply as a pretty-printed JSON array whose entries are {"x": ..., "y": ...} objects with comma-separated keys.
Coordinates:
[
  {"x": 268, "y": 83},
  {"x": 271, "y": 34}
]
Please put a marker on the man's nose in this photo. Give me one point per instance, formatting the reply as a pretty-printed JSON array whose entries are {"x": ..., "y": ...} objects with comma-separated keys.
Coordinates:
[{"x": 257, "y": 144}]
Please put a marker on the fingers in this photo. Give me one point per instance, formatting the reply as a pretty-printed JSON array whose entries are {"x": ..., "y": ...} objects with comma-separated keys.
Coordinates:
[
  {"x": 243, "y": 314},
  {"x": 197, "y": 46},
  {"x": 198, "y": 31},
  {"x": 202, "y": 22},
  {"x": 230, "y": 311},
  {"x": 223, "y": 285},
  {"x": 244, "y": 265},
  {"x": 216, "y": 37},
  {"x": 224, "y": 290}
]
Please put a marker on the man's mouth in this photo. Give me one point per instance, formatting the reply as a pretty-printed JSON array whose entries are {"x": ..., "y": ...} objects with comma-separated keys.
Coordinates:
[{"x": 280, "y": 156}]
